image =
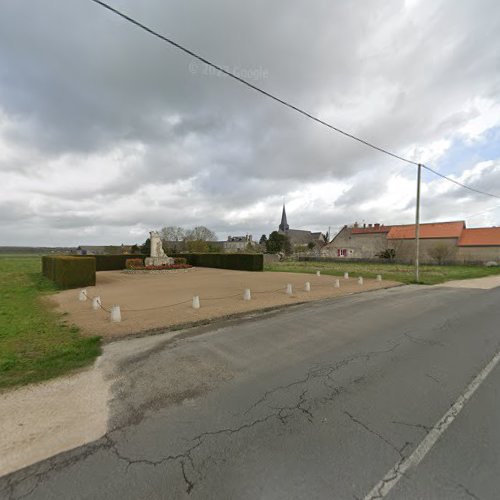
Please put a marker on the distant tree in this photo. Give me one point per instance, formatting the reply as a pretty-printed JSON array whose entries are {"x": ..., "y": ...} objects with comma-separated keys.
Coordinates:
[
  {"x": 200, "y": 233},
  {"x": 173, "y": 233},
  {"x": 441, "y": 252},
  {"x": 252, "y": 248},
  {"x": 263, "y": 240},
  {"x": 197, "y": 246},
  {"x": 311, "y": 245},
  {"x": 215, "y": 248},
  {"x": 274, "y": 243},
  {"x": 135, "y": 249},
  {"x": 146, "y": 247},
  {"x": 278, "y": 242}
]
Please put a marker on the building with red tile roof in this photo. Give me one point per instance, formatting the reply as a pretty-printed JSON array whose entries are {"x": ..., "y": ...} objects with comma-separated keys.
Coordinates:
[
  {"x": 430, "y": 230},
  {"x": 450, "y": 238},
  {"x": 480, "y": 236}
]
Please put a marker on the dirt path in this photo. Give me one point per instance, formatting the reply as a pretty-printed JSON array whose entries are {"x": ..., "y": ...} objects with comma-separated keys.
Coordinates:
[
  {"x": 485, "y": 283},
  {"x": 151, "y": 301},
  {"x": 41, "y": 420}
]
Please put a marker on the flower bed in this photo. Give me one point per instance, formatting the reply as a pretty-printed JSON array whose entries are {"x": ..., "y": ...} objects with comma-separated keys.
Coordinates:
[{"x": 166, "y": 267}]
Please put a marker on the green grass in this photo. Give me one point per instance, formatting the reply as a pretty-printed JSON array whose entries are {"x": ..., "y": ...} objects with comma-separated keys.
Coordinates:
[
  {"x": 429, "y": 275},
  {"x": 36, "y": 343}
]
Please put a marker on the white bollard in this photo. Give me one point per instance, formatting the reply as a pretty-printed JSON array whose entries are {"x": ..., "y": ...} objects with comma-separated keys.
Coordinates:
[
  {"x": 96, "y": 303},
  {"x": 289, "y": 289},
  {"x": 318, "y": 273},
  {"x": 346, "y": 276},
  {"x": 82, "y": 296},
  {"x": 360, "y": 280},
  {"x": 196, "y": 302},
  {"x": 116, "y": 315},
  {"x": 337, "y": 284},
  {"x": 247, "y": 294},
  {"x": 379, "y": 277},
  {"x": 307, "y": 286}
]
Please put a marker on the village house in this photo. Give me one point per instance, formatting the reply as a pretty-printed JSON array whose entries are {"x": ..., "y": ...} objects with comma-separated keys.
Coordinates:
[
  {"x": 238, "y": 243},
  {"x": 439, "y": 242}
]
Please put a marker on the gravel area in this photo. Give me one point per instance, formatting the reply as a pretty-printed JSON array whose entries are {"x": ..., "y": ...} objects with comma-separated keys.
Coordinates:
[
  {"x": 485, "y": 283},
  {"x": 161, "y": 300},
  {"x": 41, "y": 420}
]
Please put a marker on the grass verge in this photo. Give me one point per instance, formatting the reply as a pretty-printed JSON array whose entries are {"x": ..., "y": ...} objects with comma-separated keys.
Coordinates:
[
  {"x": 429, "y": 275},
  {"x": 36, "y": 343}
]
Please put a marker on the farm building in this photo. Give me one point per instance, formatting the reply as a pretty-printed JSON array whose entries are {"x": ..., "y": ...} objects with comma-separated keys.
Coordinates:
[{"x": 439, "y": 242}]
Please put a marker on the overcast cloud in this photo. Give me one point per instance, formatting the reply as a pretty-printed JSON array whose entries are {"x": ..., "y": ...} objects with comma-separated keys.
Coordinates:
[{"x": 106, "y": 133}]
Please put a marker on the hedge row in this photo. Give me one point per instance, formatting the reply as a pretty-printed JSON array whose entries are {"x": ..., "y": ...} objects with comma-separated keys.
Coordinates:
[
  {"x": 237, "y": 261},
  {"x": 69, "y": 271},
  {"x": 112, "y": 262}
]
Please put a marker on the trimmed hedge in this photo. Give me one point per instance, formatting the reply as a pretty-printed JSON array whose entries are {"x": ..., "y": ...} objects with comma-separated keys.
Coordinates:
[
  {"x": 112, "y": 262},
  {"x": 237, "y": 261},
  {"x": 69, "y": 271}
]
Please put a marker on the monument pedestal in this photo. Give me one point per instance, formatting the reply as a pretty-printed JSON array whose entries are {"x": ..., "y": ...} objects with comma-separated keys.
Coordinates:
[{"x": 158, "y": 261}]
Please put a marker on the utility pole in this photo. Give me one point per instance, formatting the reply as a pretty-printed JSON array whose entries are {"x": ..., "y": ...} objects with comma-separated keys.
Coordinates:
[{"x": 417, "y": 226}]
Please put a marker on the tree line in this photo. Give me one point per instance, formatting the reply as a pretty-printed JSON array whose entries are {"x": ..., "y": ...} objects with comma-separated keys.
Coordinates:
[{"x": 201, "y": 239}]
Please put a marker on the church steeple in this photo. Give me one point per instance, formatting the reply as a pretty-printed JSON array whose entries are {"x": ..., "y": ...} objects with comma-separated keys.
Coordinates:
[{"x": 284, "y": 224}]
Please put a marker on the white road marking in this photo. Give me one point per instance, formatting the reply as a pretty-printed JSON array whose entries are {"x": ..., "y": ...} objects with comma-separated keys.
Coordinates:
[{"x": 392, "y": 478}]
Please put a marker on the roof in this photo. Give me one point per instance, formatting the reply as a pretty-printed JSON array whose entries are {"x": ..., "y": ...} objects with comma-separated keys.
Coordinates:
[
  {"x": 480, "y": 236},
  {"x": 433, "y": 230},
  {"x": 284, "y": 223},
  {"x": 298, "y": 236},
  {"x": 370, "y": 230}
]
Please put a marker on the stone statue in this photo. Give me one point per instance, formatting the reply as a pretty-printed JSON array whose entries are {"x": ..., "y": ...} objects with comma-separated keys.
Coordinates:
[{"x": 158, "y": 256}]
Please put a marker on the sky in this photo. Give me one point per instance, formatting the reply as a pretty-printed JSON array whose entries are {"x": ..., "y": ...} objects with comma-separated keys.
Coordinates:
[{"x": 107, "y": 133}]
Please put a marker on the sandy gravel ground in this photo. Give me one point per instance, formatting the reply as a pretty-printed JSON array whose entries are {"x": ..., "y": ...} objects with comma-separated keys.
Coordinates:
[
  {"x": 40, "y": 420},
  {"x": 150, "y": 301},
  {"x": 485, "y": 283}
]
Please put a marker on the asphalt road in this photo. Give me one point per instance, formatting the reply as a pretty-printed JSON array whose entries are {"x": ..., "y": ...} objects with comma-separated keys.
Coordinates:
[{"x": 338, "y": 399}]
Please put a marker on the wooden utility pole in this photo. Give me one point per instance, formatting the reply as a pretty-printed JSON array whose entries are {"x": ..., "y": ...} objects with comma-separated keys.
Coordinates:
[{"x": 417, "y": 227}]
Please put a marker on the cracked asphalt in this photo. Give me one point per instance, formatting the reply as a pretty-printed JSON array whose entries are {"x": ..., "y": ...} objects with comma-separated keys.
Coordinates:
[{"x": 316, "y": 401}]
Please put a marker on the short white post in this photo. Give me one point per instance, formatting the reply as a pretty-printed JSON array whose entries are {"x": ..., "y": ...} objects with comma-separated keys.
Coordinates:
[
  {"x": 307, "y": 286},
  {"x": 289, "y": 289},
  {"x": 346, "y": 276},
  {"x": 318, "y": 273},
  {"x": 96, "y": 303},
  {"x": 360, "y": 280},
  {"x": 82, "y": 296},
  {"x": 337, "y": 284},
  {"x": 196, "y": 302},
  {"x": 116, "y": 315},
  {"x": 379, "y": 277},
  {"x": 247, "y": 295}
]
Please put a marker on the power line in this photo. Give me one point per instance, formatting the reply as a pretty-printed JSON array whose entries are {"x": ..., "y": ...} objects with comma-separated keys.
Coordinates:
[
  {"x": 275, "y": 98},
  {"x": 459, "y": 183},
  {"x": 481, "y": 213},
  {"x": 248, "y": 84}
]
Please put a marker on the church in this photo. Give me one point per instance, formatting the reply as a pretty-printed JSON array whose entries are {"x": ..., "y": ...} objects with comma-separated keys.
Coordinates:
[{"x": 298, "y": 236}]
